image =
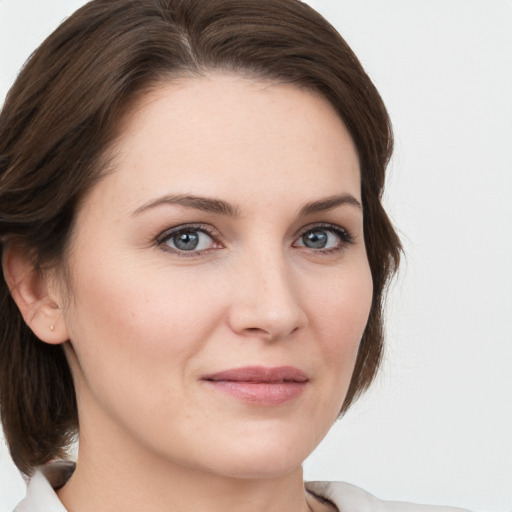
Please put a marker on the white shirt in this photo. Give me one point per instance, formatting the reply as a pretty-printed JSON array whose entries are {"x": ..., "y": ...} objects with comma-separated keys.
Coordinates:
[{"x": 41, "y": 496}]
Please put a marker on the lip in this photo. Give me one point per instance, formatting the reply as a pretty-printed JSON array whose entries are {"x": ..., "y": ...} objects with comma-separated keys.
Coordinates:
[{"x": 260, "y": 385}]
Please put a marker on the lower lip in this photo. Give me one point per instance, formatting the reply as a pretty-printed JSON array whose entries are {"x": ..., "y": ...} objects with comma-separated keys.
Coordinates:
[{"x": 261, "y": 393}]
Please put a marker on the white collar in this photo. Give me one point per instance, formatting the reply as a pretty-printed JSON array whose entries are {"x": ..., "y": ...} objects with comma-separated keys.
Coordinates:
[{"x": 41, "y": 495}]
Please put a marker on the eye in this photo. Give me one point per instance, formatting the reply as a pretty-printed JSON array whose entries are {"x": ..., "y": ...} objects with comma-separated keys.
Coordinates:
[
  {"x": 189, "y": 239},
  {"x": 324, "y": 238}
]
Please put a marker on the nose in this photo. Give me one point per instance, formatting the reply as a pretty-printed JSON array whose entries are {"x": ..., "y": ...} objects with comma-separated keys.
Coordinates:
[{"x": 265, "y": 301}]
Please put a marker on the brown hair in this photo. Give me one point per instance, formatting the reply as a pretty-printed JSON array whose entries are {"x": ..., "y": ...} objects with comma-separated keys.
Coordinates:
[{"x": 62, "y": 113}]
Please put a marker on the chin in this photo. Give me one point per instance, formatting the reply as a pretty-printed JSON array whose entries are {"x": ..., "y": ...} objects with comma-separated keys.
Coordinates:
[
  {"x": 266, "y": 457},
  {"x": 264, "y": 467}
]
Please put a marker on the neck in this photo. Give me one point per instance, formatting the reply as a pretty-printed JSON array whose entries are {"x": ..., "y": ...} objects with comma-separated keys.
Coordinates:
[{"x": 119, "y": 475}]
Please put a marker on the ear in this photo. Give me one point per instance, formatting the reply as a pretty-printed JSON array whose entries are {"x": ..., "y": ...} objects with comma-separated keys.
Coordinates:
[{"x": 35, "y": 294}]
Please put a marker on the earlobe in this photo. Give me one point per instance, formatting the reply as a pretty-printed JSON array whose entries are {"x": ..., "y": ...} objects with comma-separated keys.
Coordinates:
[{"x": 35, "y": 297}]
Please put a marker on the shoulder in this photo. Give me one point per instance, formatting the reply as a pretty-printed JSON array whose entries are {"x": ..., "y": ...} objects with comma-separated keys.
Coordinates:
[{"x": 349, "y": 497}]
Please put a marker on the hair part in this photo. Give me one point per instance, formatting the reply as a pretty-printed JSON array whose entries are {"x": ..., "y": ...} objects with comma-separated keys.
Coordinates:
[{"x": 63, "y": 115}]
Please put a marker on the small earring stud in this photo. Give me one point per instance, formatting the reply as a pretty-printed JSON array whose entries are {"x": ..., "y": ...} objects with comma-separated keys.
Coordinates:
[{"x": 52, "y": 328}]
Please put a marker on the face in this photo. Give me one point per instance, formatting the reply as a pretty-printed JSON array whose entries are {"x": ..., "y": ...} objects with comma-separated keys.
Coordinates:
[{"x": 219, "y": 279}]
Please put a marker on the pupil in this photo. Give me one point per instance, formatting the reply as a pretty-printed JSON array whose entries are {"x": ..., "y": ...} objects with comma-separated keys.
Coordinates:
[
  {"x": 186, "y": 241},
  {"x": 315, "y": 239}
]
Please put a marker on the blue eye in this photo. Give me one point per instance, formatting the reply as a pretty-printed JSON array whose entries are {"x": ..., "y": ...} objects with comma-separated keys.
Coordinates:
[
  {"x": 324, "y": 238},
  {"x": 188, "y": 239},
  {"x": 317, "y": 239}
]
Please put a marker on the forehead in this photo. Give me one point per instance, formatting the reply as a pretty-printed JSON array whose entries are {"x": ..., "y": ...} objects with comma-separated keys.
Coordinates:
[{"x": 224, "y": 134}]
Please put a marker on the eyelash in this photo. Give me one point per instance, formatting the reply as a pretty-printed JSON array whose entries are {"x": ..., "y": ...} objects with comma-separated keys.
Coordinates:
[
  {"x": 170, "y": 233},
  {"x": 344, "y": 236}
]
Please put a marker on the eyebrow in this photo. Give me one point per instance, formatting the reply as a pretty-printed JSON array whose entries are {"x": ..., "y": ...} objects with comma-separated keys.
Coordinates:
[
  {"x": 204, "y": 204},
  {"x": 220, "y": 207},
  {"x": 329, "y": 203}
]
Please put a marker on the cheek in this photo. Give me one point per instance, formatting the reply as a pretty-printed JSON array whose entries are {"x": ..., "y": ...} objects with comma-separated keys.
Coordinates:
[
  {"x": 140, "y": 298},
  {"x": 340, "y": 307},
  {"x": 339, "y": 314},
  {"x": 139, "y": 324}
]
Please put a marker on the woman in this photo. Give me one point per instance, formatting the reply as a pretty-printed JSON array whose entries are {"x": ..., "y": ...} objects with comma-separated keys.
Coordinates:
[{"x": 194, "y": 253}]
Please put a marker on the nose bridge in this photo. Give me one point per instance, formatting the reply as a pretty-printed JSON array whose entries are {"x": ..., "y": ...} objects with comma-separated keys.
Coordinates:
[{"x": 266, "y": 302}]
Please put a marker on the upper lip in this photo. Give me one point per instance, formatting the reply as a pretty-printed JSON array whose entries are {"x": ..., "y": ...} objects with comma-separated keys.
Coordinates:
[{"x": 260, "y": 374}]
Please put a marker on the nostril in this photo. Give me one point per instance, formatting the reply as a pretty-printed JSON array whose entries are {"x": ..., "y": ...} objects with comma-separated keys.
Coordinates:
[
  {"x": 254, "y": 330},
  {"x": 260, "y": 333}
]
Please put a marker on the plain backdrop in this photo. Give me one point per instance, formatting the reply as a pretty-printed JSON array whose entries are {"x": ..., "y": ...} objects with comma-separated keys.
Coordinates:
[{"x": 437, "y": 425}]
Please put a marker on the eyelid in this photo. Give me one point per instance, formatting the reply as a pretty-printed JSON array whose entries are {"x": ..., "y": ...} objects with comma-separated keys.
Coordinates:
[
  {"x": 344, "y": 235},
  {"x": 346, "y": 238},
  {"x": 166, "y": 235}
]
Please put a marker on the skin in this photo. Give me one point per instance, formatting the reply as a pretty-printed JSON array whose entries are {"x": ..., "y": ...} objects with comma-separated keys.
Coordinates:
[{"x": 146, "y": 323}]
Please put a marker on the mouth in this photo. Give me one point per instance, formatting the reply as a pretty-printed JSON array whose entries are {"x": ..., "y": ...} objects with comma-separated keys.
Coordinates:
[{"x": 259, "y": 385}]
